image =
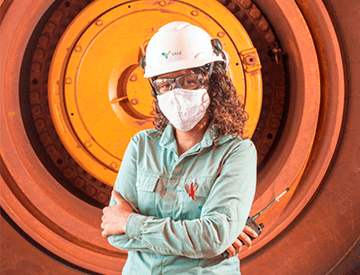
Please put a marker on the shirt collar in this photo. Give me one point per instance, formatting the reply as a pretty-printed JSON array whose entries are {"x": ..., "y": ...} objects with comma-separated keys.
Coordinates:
[{"x": 211, "y": 136}]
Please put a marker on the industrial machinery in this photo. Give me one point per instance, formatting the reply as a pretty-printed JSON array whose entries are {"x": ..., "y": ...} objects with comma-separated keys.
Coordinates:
[{"x": 72, "y": 96}]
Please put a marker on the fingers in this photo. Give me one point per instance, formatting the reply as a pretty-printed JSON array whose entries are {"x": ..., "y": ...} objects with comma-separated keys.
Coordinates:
[
  {"x": 234, "y": 248},
  {"x": 248, "y": 230},
  {"x": 245, "y": 239},
  {"x": 104, "y": 234},
  {"x": 231, "y": 251},
  {"x": 237, "y": 245},
  {"x": 117, "y": 197}
]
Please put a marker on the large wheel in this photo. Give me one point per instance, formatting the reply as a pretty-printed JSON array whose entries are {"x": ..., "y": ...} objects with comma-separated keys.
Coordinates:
[{"x": 72, "y": 95}]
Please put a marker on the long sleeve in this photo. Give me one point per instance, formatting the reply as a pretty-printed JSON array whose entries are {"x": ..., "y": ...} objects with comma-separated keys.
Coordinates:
[
  {"x": 125, "y": 185},
  {"x": 222, "y": 218}
]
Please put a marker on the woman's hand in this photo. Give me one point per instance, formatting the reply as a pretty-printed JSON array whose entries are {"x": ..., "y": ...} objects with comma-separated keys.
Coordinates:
[
  {"x": 244, "y": 236},
  {"x": 114, "y": 217}
]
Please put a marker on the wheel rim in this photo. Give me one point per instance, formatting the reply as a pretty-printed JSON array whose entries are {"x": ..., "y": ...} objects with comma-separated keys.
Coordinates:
[{"x": 272, "y": 178}]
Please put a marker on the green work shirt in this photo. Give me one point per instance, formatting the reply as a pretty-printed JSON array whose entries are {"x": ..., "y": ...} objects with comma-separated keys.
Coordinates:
[{"x": 190, "y": 208}]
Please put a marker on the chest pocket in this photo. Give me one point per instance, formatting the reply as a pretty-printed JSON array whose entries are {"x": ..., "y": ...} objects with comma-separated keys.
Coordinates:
[
  {"x": 145, "y": 185},
  {"x": 195, "y": 193}
]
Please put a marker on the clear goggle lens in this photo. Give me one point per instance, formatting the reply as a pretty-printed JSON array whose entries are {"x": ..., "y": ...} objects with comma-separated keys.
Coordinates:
[{"x": 186, "y": 81}]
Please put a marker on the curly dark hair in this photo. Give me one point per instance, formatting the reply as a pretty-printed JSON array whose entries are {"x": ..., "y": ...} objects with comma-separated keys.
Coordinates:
[{"x": 225, "y": 111}]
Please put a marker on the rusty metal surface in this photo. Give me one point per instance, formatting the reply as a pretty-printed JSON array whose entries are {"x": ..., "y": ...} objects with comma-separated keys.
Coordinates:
[
  {"x": 319, "y": 237},
  {"x": 21, "y": 255},
  {"x": 328, "y": 230}
]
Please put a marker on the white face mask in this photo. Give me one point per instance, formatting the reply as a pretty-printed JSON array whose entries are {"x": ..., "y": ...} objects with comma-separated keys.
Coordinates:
[{"x": 184, "y": 108}]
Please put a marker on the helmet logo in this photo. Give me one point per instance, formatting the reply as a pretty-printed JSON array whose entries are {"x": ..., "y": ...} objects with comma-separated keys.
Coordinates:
[{"x": 166, "y": 54}]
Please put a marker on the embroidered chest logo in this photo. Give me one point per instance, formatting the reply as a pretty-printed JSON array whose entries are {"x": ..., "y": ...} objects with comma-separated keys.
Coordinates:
[{"x": 193, "y": 187}]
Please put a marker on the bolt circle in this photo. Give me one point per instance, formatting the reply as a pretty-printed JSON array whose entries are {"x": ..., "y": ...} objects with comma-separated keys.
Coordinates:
[
  {"x": 50, "y": 27},
  {"x": 246, "y": 4},
  {"x": 250, "y": 60},
  {"x": 194, "y": 13},
  {"x": 36, "y": 67},
  {"x": 134, "y": 101},
  {"x": 264, "y": 26},
  {"x": 44, "y": 40},
  {"x": 39, "y": 53},
  {"x": 133, "y": 77},
  {"x": 255, "y": 13}
]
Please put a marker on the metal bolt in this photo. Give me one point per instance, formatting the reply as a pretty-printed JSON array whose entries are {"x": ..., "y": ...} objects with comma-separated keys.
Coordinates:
[
  {"x": 270, "y": 38},
  {"x": 220, "y": 34},
  {"x": 39, "y": 53},
  {"x": 68, "y": 80},
  {"x": 194, "y": 13},
  {"x": 78, "y": 48},
  {"x": 133, "y": 77},
  {"x": 57, "y": 15},
  {"x": 68, "y": 173},
  {"x": 39, "y": 124},
  {"x": 50, "y": 27},
  {"x": 264, "y": 26},
  {"x": 250, "y": 60},
  {"x": 44, "y": 40},
  {"x": 274, "y": 123},
  {"x": 240, "y": 14},
  {"x": 246, "y": 4},
  {"x": 255, "y": 13},
  {"x": 162, "y": 3},
  {"x": 278, "y": 109},
  {"x": 36, "y": 110},
  {"x": 233, "y": 7},
  {"x": 35, "y": 67},
  {"x": 87, "y": 143},
  {"x": 34, "y": 97},
  {"x": 103, "y": 198},
  {"x": 51, "y": 150},
  {"x": 279, "y": 94},
  {"x": 134, "y": 101},
  {"x": 99, "y": 22},
  {"x": 79, "y": 182},
  {"x": 263, "y": 149},
  {"x": 44, "y": 137},
  {"x": 91, "y": 191},
  {"x": 113, "y": 165}
]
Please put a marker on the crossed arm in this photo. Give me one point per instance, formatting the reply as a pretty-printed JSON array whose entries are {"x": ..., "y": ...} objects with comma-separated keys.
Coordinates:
[{"x": 115, "y": 217}]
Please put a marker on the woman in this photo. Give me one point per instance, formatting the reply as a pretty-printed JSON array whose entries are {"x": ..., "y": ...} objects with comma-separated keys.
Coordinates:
[{"x": 184, "y": 189}]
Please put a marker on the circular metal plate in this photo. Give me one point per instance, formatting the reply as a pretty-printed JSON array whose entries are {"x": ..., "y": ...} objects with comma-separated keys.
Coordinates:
[{"x": 99, "y": 99}]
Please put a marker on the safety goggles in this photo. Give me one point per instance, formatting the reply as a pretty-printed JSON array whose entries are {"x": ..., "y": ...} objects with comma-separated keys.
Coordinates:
[{"x": 186, "y": 81}]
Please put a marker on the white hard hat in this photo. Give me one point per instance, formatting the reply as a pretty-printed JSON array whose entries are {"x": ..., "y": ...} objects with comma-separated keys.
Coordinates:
[{"x": 180, "y": 45}]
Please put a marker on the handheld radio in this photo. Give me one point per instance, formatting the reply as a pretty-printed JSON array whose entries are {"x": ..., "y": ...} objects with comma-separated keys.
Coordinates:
[{"x": 251, "y": 220}]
